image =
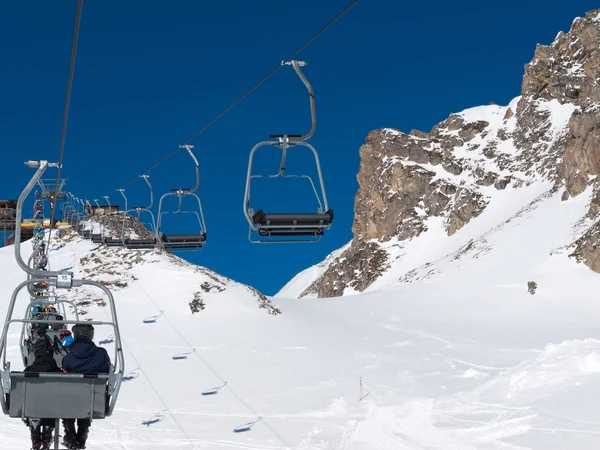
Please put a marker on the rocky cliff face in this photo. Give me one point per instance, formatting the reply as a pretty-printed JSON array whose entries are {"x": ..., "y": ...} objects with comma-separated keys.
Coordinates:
[
  {"x": 568, "y": 71},
  {"x": 550, "y": 132}
]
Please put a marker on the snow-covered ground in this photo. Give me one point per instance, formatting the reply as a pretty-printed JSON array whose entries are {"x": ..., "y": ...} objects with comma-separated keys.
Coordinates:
[{"x": 456, "y": 355}]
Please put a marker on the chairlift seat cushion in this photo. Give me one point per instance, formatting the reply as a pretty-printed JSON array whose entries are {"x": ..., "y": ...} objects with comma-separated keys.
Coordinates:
[
  {"x": 58, "y": 395},
  {"x": 140, "y": 243},
  {"x": 293, "y": 219},
  {"x": 183, "y": 238},
  {"x": 113, "y": 242},
  {"x": 134, "y": 242}
]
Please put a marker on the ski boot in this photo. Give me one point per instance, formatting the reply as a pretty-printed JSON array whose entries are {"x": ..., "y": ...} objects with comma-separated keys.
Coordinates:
[
  {"x": 69, "y": 439},
  {"x": 34, "y": 429},
  {"x": 47, "y": 438},
  {"x": 82, "y": 435},
  {"x": 70, "y": 443}
]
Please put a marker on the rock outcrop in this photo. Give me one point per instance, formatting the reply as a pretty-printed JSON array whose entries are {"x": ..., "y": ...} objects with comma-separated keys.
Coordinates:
[
  {"x": 112, "y": 225},
  {"x": 550, "y": 132},
  {"x": 568, "y": 71}
]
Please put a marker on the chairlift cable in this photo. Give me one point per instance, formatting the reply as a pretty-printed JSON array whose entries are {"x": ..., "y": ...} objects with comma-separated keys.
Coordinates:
[
  {"x": 248, "y": 92},
  {"x": 66, "y": 114}
]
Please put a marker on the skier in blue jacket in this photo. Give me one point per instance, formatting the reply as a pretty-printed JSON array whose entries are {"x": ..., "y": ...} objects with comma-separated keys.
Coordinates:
[
  {"x": 83, "y": 357},
  {"x": 66, "y": 338}
]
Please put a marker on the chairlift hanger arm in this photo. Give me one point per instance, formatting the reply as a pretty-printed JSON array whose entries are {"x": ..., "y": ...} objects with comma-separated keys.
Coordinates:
[
  {"x": 145, "y": 177},
  {"x": 140, "y": 209},
  {"x": 313, "y": 113},
  {"x": 189, "y": 148},
  {"x": 122, "y": 191},
  {"x": 107, "y": 198},
  {"x": 41, "y": 168}
]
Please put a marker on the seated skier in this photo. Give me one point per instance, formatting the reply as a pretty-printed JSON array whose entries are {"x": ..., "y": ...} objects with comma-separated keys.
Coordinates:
[
  {"x": 44, "y": 362},
  {"x": 66, "y": 338},
  {"x": 57, "y": 326},
  {"x": 83, "y": 357},
  {"x": 40, "y": 334}
]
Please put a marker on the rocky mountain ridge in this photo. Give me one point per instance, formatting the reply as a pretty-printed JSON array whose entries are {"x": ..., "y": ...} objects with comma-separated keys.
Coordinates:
[{"x": 550, "y": 133}]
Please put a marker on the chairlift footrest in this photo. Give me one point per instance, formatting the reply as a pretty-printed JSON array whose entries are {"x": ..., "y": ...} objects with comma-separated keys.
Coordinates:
[{"x": 290, "y": 232}]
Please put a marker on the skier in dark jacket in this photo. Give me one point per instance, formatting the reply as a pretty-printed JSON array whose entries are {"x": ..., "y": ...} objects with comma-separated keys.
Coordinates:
[
  {"x": 44, "y": 362},
  {"x": 39, "y": 334},
  {"x": 83, "y": 357}
]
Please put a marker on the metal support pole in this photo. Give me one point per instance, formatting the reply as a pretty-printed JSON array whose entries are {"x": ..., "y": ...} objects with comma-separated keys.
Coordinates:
[{"x": 57, "y": 434}]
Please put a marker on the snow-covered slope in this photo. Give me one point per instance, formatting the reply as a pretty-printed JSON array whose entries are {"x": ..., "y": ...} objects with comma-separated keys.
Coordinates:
[
  {"x": 423, "y": 236},
  {"x": 461, "y": 359}
]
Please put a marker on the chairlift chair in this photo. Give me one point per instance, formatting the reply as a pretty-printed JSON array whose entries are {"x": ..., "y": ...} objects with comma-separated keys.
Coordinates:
[
  {"x": 193, "y": 241},
  {"x": 56, "y": 395},
  {"x": 80, "y": 216},
  {"x": 96, "y": 238},
  {"x": 289, "y": 227},
  {"x": 49, "y": 191},
  {"x": 109, "y": 241},
  {"x": 66, "y": 208},
  {"x": 141, "y": 243},
  {"x": 87, "y": 232},
  {"x": 117, "y": 242},
  {"x": 70, "y": 212}
]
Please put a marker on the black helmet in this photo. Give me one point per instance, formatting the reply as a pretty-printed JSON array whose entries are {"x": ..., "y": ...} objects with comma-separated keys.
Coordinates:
[{"x": 41, "y": 330}]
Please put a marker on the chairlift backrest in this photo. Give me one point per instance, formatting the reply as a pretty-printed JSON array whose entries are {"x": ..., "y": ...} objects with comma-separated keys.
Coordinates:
[{"x": 58, "y": 395}]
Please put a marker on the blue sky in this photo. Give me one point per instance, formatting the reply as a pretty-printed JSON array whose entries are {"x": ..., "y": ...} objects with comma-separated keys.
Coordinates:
[{"x": 149, "y": 74}]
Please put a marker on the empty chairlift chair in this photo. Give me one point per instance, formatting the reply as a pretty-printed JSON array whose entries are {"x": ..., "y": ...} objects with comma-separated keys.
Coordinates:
[
  {"x": 67, "y": 209},
  {"x": 97, "y": 237},
  {"x": 289, "y": 227},
  {"x": 143, "y": 243},
  {"x": 111, "y": 241},
  {"x": 189, "y": 241},
  {"x": 88, "y": 228},
  {"x": 80, "y": 216}
]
